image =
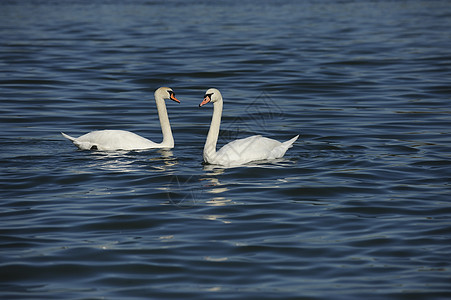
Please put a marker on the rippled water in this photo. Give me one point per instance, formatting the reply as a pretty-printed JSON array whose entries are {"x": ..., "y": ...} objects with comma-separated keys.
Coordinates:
[{"x": 358, "y": 208}]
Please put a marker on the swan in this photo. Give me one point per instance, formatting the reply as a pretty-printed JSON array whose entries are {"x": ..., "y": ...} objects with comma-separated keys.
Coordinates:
[
  {"x": 105, "y": 140},
  {"x": 239, "y": 151}
]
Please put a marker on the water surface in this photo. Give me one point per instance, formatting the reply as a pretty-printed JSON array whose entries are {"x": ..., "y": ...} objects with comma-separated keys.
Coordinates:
[{"x": 358, "y": 208}]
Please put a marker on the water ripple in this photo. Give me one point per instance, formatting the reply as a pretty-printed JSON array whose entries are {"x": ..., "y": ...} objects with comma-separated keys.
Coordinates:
[{"x": 358, "y": 207}]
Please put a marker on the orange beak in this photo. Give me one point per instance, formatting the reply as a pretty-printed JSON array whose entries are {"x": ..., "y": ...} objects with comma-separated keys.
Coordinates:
[
  {"x": 205, "y": 101},
  {"x": 175, "y": 99}
]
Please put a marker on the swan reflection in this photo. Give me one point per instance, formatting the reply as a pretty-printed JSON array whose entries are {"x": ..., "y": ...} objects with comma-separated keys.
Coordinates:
[
  {"x": 126, "y": 161},
  {"x": 184, "y": 190},
  {"x": 165, "y": 162}
]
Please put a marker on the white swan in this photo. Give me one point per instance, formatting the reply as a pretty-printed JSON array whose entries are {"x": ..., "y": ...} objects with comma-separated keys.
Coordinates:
[
  {"x": 240, "y": 151},
  {"x": 126, "y": 140}
]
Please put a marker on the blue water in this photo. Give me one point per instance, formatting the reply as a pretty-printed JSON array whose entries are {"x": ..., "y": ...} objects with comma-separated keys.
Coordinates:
[{"x": 359, "y": 208}]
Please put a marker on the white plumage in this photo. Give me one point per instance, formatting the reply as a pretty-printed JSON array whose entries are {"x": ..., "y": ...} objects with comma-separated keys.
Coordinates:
[
  {"x": 240, "y": 151},
  {"x": 105, "y": 140}
]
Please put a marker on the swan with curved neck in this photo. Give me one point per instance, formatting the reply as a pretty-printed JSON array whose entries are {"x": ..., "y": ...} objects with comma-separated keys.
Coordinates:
[
  {"x": 107, "y": 140},
  {"x": 239, "y": 151}
]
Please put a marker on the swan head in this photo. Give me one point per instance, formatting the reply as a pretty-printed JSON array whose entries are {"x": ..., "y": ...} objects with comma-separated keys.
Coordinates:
[
  {"x": 166, "y": 93},
  {"x": 211, "y": 95}
]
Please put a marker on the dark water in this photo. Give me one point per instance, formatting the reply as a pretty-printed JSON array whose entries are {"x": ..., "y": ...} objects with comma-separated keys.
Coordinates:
[{"x": 359, "y": 208}]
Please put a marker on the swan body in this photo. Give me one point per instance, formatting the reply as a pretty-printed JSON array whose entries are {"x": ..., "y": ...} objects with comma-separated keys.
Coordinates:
[
  {"x": 108, "y": 140},
  {"x": 239, "y": 151}
]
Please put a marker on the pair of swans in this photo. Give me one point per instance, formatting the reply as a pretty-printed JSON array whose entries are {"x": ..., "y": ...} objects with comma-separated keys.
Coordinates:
[{"x": 235, "y": 153}]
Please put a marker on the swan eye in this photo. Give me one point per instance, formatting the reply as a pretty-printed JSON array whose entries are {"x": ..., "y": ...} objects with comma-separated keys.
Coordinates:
[{"x": 208, "y": 95}]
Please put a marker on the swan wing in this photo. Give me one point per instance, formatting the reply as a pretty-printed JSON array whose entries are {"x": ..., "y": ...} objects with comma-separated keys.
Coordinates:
[
  {"x": 249, "y": 149},
  {"x": 105, "y": 140},
  {"x": 252, "y": 148}
]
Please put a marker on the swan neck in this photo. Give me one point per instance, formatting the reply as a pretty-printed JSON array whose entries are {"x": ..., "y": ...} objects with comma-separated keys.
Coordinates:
[
  {"x": 168, "y": 140},
  {"x": 213, "y": 133}
]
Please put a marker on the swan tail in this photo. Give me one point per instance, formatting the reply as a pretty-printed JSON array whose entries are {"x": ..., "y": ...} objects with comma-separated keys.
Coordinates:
[
  {"x": 68, "y": 137},
  {"x": 280, "y": 150},
  {"x": 80, "y": 145},
  {"x": 289, "y": 143}
]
